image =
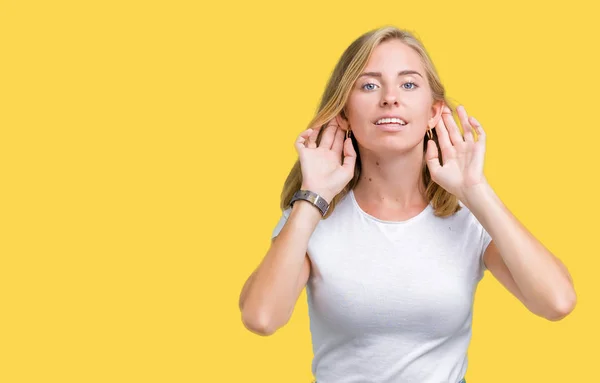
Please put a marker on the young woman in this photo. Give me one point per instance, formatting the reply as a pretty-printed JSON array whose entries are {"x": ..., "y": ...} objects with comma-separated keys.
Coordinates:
[{"x": 390, "y": 224}]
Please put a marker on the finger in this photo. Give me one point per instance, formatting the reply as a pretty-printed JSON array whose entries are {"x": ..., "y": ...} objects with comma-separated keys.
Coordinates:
[
  {"x": 480, "y": 144},
  {"x": 349, "y": 155},
  {"x": 328, "y": 134},
  {"x": 481, "y": 136},
  {"x": 442, "y": 134},
  {"x": 464, "y": 122},
  {"x": 302, "y": 139},
  {"x": 453, "y": 130},
  {"x": 338, "y": 142},
  {"x": 469, "y": 136},
  {"x": 312, "y": 139},
  {"x": 432, "y": 157}
]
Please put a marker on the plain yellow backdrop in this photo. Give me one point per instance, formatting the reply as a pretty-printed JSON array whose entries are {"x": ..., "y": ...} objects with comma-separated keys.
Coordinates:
[{"x": 143, "y": 149}]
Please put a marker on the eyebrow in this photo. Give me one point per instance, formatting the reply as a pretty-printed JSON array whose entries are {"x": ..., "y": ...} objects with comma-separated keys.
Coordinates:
[{"x": 401, "y": 73}]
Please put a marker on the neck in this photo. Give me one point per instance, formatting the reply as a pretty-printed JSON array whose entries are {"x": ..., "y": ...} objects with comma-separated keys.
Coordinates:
[{"x": 392, "y": 181}]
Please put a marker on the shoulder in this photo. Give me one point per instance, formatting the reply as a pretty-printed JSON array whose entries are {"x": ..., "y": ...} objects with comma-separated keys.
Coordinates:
[
  {"x": 286, "y": 213},
  {"x": 465, "y": 219}
]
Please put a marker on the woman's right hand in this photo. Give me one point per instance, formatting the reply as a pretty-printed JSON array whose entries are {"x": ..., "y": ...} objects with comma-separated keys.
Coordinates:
[{"x": 323, "y": 171}]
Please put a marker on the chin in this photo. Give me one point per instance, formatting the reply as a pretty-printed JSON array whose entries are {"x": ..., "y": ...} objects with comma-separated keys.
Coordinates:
[{"x": 393, "y": 145}]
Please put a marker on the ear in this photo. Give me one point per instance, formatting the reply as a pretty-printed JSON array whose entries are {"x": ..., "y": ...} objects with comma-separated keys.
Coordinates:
[
  {"x": 343, "y": 114},
  {"x": 436, "y": 111},
  {"x": 342, "y": 121}
]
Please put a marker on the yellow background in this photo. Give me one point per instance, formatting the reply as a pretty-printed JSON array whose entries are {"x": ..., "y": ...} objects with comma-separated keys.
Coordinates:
[{"x": 143, "y": 149}]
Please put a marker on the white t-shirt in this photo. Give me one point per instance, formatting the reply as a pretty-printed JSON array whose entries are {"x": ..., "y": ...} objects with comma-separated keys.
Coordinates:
[{"x": 392, "y": 301}]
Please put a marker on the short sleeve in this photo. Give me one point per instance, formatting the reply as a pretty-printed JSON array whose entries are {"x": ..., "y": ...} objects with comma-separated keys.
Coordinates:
[
  {"x": 481, "y": 240},
  {"x": 281, "y": 223},
  {"x": 485, "y": 239}
]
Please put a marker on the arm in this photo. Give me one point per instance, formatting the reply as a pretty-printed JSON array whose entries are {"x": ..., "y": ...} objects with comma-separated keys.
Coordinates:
[
  {"x": 519, "y": 261},
  {"x": 269, "y": 295}
]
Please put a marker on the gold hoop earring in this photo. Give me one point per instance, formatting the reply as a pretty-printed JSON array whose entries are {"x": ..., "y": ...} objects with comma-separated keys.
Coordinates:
[
  {"x": 348, "y": 132},
  {"x": 429, "y": 134}
]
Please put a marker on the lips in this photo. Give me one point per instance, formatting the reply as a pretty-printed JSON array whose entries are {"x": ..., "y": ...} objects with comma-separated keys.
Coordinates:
[
  {"x": 390, "y": 117},
  {"x": 392, "y": 127}
]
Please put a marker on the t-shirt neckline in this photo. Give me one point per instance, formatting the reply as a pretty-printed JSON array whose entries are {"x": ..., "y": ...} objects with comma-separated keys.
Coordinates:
[{"x": 406, "y": 221}]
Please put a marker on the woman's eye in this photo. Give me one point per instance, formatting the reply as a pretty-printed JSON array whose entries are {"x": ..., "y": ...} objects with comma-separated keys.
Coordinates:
[
  {"x": 371, "y": 86},
  {"x": 370, "y": 83}
]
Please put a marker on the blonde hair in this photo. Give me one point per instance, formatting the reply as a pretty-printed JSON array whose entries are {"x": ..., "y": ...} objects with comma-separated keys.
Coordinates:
[{"x": 346, "y": 72}]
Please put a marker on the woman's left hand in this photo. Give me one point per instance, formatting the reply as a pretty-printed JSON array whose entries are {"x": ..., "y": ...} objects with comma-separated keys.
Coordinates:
[{"x": 462, "y": 158}]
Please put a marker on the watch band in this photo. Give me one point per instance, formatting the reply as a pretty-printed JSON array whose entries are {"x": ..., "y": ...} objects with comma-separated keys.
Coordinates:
[{"x": 313, "y": 198}]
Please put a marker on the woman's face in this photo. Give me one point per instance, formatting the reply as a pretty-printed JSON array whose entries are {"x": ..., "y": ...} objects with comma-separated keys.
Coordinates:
[{"x": 382, "y": 92}]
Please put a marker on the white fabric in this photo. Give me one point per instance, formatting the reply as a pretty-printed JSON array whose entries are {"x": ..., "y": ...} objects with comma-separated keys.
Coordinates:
[{"x": 392, "y": 301}]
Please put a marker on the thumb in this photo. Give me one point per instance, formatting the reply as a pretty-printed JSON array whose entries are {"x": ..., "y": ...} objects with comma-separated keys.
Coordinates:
[{"x": 431, "y": 156}]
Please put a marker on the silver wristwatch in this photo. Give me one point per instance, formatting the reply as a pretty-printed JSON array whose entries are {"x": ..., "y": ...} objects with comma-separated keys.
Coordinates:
[{"x": 313, "y": 198}]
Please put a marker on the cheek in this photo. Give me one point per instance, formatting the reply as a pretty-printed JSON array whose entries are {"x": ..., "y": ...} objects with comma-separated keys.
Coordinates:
[{"x": 358, "y": 109}]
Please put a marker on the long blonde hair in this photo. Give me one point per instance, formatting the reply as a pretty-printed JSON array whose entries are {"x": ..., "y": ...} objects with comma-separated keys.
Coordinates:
[{"x": 346, "y": 72}]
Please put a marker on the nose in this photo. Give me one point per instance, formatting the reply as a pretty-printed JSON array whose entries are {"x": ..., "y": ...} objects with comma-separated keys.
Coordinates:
[{"x": 390, "y": 97}]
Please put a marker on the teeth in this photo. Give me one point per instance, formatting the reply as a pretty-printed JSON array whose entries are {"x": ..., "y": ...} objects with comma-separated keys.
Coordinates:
[{"x": 390, "y": 120}]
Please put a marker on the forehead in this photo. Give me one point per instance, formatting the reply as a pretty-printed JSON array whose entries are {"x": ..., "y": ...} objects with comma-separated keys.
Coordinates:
[{"x": 392, "y": 56}]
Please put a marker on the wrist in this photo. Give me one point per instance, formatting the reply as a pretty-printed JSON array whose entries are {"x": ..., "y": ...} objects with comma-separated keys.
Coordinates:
[
  {"x": 325, "y": 194},
  {"x": 317, "y": 200},
  {"x": 475, "y": 194},
  {"x": 304, "y": 207}
]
